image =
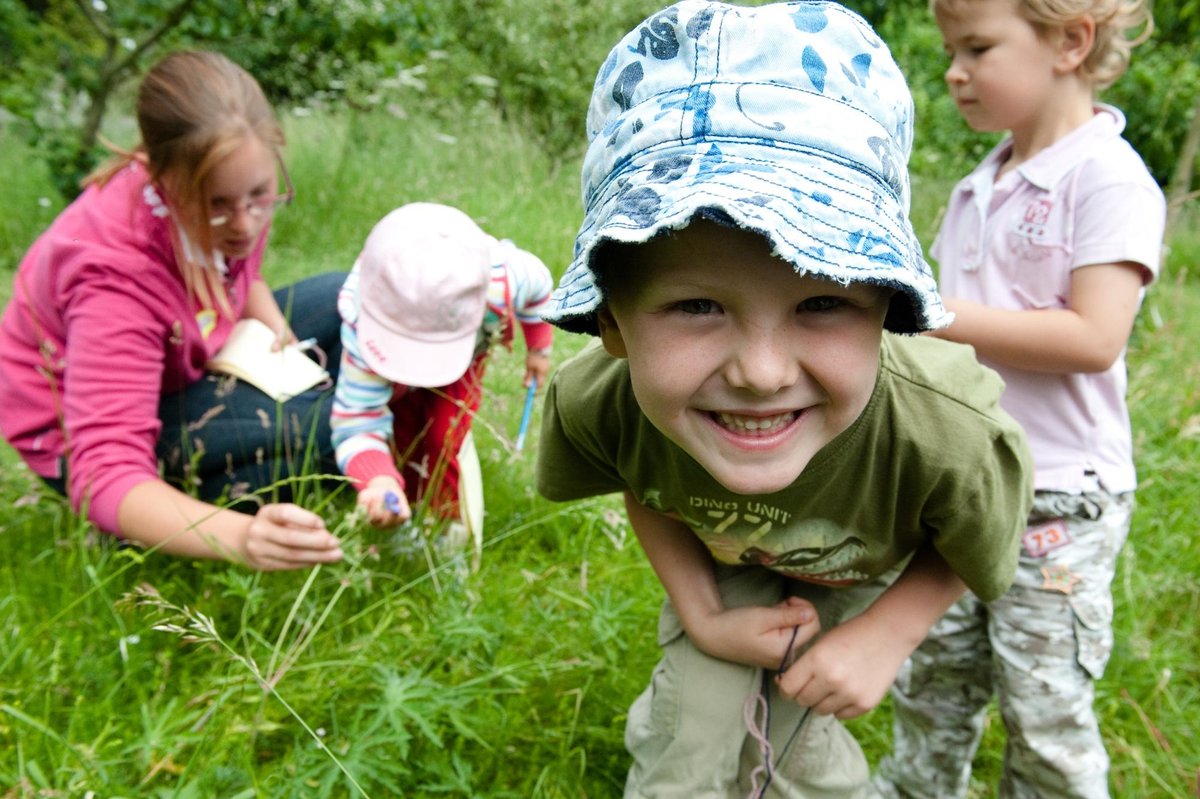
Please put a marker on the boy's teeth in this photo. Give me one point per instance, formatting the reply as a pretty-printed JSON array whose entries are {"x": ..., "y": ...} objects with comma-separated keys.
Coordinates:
[{"x": 755, "y": 424}]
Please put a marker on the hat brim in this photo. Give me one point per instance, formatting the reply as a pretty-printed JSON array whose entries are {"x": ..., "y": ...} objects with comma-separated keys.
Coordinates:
[
  {"x": 820, "y": 214},
  {"x": 413, "y": 362}
]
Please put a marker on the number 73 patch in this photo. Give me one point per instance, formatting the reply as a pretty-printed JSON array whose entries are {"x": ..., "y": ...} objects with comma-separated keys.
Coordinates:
[{"x": 1042, "y": 539}]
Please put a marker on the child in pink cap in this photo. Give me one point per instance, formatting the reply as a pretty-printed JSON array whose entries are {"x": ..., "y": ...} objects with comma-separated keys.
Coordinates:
[{"x": 426, "y": 298}]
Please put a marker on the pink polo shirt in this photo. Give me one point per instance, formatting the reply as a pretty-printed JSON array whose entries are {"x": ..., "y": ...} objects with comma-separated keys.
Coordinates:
[{"x": 1013, "y": 243}]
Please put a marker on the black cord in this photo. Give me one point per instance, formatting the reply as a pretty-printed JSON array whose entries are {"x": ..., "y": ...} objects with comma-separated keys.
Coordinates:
[{"x": 766, "y": 694}]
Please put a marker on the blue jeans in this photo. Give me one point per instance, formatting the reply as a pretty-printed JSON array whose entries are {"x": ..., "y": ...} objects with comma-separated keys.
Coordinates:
[{"x": 223, "y": 438}]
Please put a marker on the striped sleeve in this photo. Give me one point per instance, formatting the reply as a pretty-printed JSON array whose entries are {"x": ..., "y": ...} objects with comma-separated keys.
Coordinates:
[
  {"x": 361, "y": 423},
  {"x": 530, "y": 285}
]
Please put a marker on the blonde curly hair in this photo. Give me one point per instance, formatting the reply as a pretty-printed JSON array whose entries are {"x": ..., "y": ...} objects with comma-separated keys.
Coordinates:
[{"x": 1121, "y": 25}]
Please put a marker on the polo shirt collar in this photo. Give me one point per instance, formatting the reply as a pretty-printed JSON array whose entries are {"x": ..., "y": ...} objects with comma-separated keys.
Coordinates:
[{"x": 1049, "y": 166}]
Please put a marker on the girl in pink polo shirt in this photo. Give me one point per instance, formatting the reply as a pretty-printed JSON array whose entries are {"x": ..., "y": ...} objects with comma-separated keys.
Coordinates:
[
  {"x": 118, "y": 306},
  {"x": 1044, "y": 253}
]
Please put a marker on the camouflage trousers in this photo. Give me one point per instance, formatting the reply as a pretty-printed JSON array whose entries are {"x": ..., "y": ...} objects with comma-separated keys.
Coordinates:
[{"x": 1038, "y": 648}]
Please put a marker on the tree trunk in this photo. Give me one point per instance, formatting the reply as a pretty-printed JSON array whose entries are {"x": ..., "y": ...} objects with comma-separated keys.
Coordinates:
[
  {"x": 115, "y": 69},
  {"x": 1180, "y": 190}
]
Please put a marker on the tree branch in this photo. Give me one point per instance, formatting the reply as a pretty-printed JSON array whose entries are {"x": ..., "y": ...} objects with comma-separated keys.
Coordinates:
[
  {"x": 1181, "y": 180},
  {"x": 170, "y": 21},
  {"x": 89, "y": 13}
]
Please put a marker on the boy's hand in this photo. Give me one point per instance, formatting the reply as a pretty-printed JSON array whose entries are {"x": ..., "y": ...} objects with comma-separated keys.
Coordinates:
[
  {"x": 759, "y": 636},
  {"x": 848, "y": 670},
  {"x": 385, "y": 503}
]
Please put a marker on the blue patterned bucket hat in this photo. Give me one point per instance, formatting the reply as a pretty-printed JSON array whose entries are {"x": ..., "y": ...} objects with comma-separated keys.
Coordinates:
[{"x": 791, "y": 120}]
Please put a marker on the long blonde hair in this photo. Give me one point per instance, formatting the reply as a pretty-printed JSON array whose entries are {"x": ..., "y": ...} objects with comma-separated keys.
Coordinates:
[
  {"x": 194, "y": 108},
  {"x": 1121, "y": 25}
]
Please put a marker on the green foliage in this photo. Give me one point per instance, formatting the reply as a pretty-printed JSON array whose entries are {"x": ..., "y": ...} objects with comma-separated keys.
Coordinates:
[
  {"x": 542, "y": 54},
  {"x": 1177, "y": 22},
  {"x": 1158, "y": 95},
  {"x": 312, "y": 51},
  {"x": 29, "y": 201},
  {"x": 877, "y": 11},
  {"x": 67, "y": 62}
]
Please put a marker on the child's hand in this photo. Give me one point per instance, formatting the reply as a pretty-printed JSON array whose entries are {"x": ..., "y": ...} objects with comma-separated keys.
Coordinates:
[
  {"x": 285, "y": 536},
  {"x": 537, "y": 365},
  {"x": 383, "y": 497},
  {"x": 283, "y": 337},
  {"x": 847, "y": 671},
  {"x": 759, "y": 636}
]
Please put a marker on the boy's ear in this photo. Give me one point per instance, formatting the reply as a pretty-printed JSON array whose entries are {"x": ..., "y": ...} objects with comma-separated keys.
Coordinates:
[
  {"x": 1076, "y": 41},
  {"x": 610, "y": 334}
]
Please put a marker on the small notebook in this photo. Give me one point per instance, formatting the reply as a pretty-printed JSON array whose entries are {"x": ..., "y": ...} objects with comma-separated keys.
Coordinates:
[{"x": 280, "y": 375}]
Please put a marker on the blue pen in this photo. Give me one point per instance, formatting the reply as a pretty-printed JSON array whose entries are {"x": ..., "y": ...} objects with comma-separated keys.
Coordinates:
[
  {"x": 526, "y": 414},
  {"x": 391, "y": 501}
]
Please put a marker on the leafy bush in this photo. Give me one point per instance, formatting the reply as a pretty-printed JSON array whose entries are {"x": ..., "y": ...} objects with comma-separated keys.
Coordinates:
[
  {"x": 1158, "y": 95},
  {"x": 306, "y": 51},
  {"x": 543, "y": 54}
]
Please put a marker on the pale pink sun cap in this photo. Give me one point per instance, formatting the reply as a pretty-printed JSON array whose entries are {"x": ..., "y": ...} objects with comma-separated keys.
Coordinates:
[{"x": 423, "y": 277}]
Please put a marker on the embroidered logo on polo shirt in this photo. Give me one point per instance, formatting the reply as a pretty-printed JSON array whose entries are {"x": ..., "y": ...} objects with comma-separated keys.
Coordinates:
[{"x": 1037, "y": 214}]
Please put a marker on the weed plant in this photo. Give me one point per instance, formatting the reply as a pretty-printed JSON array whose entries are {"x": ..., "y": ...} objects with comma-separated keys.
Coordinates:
[{"x": 393, "y": 673}]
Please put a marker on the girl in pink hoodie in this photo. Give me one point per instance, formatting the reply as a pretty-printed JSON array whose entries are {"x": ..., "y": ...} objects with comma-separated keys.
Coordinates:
[{"x": 118, "y": 306}]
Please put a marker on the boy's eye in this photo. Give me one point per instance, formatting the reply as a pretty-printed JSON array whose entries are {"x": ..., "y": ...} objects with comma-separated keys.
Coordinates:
[
  {"x": 823, "y": 303},
  {"x": 696, "y": 306}
]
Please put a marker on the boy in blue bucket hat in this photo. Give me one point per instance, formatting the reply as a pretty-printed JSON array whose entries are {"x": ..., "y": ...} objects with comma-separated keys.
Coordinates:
[{"x": 812, "y": 489}]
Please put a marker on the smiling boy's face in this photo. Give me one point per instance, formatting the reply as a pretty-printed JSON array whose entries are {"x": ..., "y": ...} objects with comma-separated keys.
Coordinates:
[{"x": 748, "y": 367}]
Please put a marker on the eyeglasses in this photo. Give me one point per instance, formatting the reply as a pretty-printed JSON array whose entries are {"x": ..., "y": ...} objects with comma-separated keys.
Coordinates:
[{"x": 259, "y": 206}]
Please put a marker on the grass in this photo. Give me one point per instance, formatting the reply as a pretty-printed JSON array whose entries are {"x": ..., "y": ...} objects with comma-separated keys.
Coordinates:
[{"x": 128, "y": 675}]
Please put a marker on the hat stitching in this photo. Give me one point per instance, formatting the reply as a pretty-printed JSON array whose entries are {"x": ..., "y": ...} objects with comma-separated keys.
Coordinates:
[
  {"x": 868, "y": 251},
  {"x": 883, "y": 150},
  {"x": 858, "y": 190},
  {"x": 834, "y": 183},
  {"x": 813, "y": 251}
]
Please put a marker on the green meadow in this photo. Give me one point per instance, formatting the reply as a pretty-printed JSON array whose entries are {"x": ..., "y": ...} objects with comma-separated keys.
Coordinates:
[{"x": 127, "y": 674}]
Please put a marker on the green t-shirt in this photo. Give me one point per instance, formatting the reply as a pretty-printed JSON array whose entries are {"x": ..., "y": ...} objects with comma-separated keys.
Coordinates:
[{"x": 932, "y": 457}]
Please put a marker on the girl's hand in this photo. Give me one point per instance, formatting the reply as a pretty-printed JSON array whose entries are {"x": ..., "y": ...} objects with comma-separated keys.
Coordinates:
[
  {"x": 283, "y": 337},
  {"x": 537, "y": 365},
  {"x": 759, "y": 636},
  {"x": 286, "y": 536},
  {"x": 385, "y": 503}
]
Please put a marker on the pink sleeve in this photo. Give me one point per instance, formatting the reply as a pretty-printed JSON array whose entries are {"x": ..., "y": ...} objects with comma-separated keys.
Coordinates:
[
  {"x": 538, "y": 335},
  {"x": 371, "y": 463},
  {"x": 116, "y": 349}
]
